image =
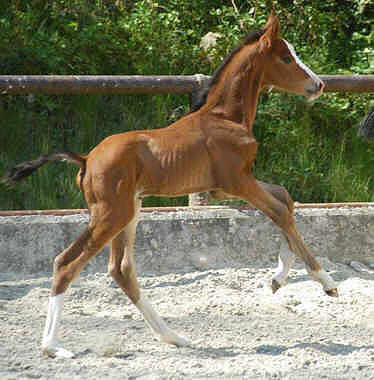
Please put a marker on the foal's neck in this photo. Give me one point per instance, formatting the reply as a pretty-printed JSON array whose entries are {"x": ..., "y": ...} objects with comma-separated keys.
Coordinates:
[{"x": 235, "y": 96}]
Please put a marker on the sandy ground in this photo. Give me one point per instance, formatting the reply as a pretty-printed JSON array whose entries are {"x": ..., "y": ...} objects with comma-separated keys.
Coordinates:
[{"x": 239, "y": 329}]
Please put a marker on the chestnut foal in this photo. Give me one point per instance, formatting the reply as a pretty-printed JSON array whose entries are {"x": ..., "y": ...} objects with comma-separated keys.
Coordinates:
[{"x": 211, "y": 149}]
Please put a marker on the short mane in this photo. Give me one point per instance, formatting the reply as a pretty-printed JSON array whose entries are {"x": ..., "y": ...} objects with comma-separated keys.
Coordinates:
[{"x": 198, "y": 97}]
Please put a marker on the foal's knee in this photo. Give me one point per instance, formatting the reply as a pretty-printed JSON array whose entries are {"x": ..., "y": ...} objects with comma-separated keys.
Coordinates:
[
  {"x": 61, "y": 269},
  {"x": 280, "y": 193},
  {"x": 62, "y": 276},
  {"x": 285, "y": 197},
  {"x": 283, "y": 217}
]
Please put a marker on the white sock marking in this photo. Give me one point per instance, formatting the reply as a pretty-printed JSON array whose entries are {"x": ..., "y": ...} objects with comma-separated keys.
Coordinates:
[
  {"x": 53, "y": 320},
  {"x": 157, "y": 324},
  {"x": 285, "y": 261},
  {"x": 324, "y": 278},
  {"x": 50, "y": 335}
]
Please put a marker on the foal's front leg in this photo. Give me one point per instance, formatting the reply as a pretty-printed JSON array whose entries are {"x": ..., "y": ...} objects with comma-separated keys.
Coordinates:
[
  {"x": 252, "y": 191},
  {"x": 286, "y": 258},
  {"x": 280, "y": 208}
]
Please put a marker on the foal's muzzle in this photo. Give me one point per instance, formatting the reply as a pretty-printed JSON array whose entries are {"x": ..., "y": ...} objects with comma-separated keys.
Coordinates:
[{"x": 314, "y": 88}]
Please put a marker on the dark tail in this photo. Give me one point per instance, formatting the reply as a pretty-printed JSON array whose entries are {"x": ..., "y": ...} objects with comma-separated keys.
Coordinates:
[{"x": 26, "y": 168}]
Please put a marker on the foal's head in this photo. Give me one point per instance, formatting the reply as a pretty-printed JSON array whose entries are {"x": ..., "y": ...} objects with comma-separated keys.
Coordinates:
[{"x": 281, "y": 66}]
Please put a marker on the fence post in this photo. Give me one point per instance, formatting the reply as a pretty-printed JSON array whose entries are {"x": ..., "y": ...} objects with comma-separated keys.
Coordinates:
[{"x": 198, "y": 199}]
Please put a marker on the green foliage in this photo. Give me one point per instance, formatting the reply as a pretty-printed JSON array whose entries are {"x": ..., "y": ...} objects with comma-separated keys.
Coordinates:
[{"x": 311, "y": 149}]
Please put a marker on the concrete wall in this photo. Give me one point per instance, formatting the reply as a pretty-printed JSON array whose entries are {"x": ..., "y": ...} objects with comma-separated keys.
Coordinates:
[{"x": 188, "y": 239}]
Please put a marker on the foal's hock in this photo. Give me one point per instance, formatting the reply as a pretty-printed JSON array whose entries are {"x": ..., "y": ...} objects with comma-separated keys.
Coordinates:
[{"x": 210, "y": 149}]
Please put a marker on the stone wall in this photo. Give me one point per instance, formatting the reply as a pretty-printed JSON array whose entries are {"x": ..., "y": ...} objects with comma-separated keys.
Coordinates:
[{"x": 189, "y": 239}]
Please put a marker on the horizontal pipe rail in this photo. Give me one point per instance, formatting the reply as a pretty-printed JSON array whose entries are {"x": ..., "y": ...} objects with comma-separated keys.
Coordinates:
[
  {"x": 348, "y": 83},
  {"x": 148, "y": 84},
  {"x": 99, "y": 84}
]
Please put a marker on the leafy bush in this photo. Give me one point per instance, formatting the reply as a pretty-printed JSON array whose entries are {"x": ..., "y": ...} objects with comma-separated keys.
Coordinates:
[{"x": 311, "y": 149}]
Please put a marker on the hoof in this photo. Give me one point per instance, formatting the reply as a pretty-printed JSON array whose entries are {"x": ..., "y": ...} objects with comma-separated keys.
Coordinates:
[
  {"x": 275, "y": 285},
  {"x": 57, "y": 352},
  {"x": 332, "y": 292},
  {"x": 175, "y": 340}
]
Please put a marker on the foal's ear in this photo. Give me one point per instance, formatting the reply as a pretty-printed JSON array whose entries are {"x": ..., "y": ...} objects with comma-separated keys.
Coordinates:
[
  {"x": 272, "y": 31},
  {"x": 272, "y": 27}
]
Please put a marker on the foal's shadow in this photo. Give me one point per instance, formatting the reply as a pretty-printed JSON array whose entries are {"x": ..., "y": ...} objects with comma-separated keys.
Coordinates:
[
  {"x": 337, "y": 275},
  {"x": 13, "y": 291},
  {"x": 182, "y": 281},
  {"x": 215, "y": 353},
  {"x": 334, "y": 349},
  {"x": 328, "y": 348},
  {"x": 200, "y": 353}
]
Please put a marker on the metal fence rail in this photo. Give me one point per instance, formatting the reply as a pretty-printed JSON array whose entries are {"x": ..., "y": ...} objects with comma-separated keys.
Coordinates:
[{"x": 148, "y": 84}]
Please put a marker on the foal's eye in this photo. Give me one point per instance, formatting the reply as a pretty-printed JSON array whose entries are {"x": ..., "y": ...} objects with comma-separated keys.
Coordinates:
[{"x": 287, "y": 59}]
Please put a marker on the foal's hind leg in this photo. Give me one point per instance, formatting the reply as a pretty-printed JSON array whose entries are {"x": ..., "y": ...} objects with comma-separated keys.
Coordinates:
[
  {"x": 122, "y": 269},
  {"x": 103, "y": 227},
  {"x": 256, "y": 195}
]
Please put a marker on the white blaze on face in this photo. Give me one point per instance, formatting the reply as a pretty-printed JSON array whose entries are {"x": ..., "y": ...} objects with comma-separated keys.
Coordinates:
[{"x": 305, "y": 68}]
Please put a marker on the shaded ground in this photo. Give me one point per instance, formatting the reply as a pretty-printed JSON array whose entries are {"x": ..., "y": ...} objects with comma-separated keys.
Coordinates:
[{"x": 239, "y": 329}]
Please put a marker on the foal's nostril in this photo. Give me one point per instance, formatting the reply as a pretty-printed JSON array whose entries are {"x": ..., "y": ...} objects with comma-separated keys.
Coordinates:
[
  {"x": 314, "y": 87},
  {"x": 318, "y": 86}
]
